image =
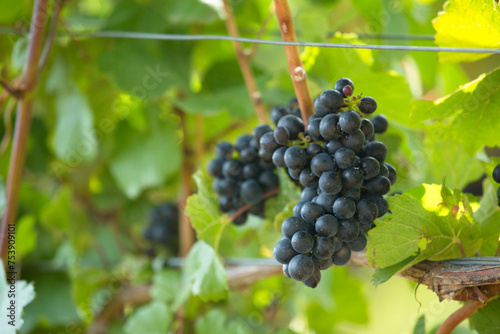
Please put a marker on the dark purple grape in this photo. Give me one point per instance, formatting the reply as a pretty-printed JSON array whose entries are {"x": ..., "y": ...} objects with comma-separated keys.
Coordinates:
[
  {"x": 328, "y": 127},
  {"x": 332, "y": 99},
  {"x": 326, "y": 201},
  {"x": 292, "y": 225},
  {"x": 370, "y": 167},
  {"x": 349, "y": 121},
  {"x": 313, "y": 281},
  {"x": 367, "y": 211},
  {"x": 294, "y": 173},
  {"x": 354, "y": 141},
  {"x": 277, "y": 112},
  {"x": 313, "y": 149},
  {"x": 285, "y": 271},
  {"x": 342, "y": 256},
  {"x": 251, "y": 192},
  {"x": 295, "y": 157},
  {"x": 367, "y": 105},
  {"x": 293, "y": 124},
  {"x": 323, "y": 248},
  {"x": 268, "y": 180},
  {"x": 327, "y": 226},
  {"x": 352, "y": 178},
  {"x": 348, "y": 230},
  {"x": 341, "y": 83},
  {"x": 330, "y": 183},
  {"x": 344, "y": 208},
  {"x": 259, "y": 131},
  {"x": 224, "y": 149},
  {"x": 297, "y": 207},
  {"x": 367, "y": 128},
  {"x": 322, "y": 264},
  {"x": 496, "y": 173},
  {"x": 248, "y": 154},
  {"x": 302, "y": 242},
  {"x": 344, "y": 158},
  {"x": 227, "y": 186},
  {"x": 279, "y": 157},
  {"x": 243, "y": 142},
  {"x": 307, "y": 178},
  {"x": 225, "y": 203},
  {"x": 380, "y": 124},
  {"x": 337, "y": 243},
  {"x": 352, "y": 194},
  {"x": 308, "y": 194},
  {"x": 379, "y": 185},
  {"x": 319, "y": 108},
  {"x": 311, "y": 211},
  {"x": 214, "y": 167},
  {"x": 251, "y": 170},
  {"x": 301, "y": 267},
  {"x": 283, "y": 251},
  {"x": 281, "y": 135},
  {"x": 384, "y": 171},
  {"x": 268, "y": 143},
  {"x": 393, "y": 174},
  {"x": 358, "y": 244},
  {"x": 320, "y": 163},
  {"x": 333, "y": 146},
  {"x": 375, "y": 149}
]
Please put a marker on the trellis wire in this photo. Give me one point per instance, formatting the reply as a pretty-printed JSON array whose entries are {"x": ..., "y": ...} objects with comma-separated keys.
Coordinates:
[
  {"x": 180, "y": 37},
  {"x": 172, "y": 37}
]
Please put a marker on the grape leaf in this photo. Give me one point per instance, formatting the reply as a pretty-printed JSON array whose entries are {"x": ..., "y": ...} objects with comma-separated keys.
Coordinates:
[
  {"x": 474, "y": 105},
  {"x": 153, "y": 318},
  {"x": 166, "y": 285},
  {"x": 203, "y": 210},
  {"x": 215, "y": 321},
  {"x": 27, "y": 234},
  {"x": 205, "y": 273},
  {"x": 486, "y": 319},
  {"x": 146, "y": 159},
  {"x": 489, "y": 215},
  {"x": 414, "y": 231},
  {"x": 23, "y": 295},
  {"x": 469, "y": 24}
]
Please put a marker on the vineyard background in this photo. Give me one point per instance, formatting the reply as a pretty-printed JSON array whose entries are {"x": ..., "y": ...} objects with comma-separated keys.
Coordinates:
[{"x": 120, "y": 125}]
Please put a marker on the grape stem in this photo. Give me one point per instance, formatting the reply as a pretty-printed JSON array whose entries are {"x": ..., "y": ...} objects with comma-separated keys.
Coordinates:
[
  {"x": 23, "y": 119},
  {"x": 458, "y": 316},
  {"x": 295, "y": 65},
  {"x": 244, "y": 64},
  {"x": 247, "y": 207}
]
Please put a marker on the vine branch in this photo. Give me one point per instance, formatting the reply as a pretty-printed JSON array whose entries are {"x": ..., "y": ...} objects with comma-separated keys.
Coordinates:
[
  {"x": 244, "y": 64},
  {"x": 23, "y": 119},
  {"x": 458, "y": 316},
  {"x": 295, "y": 66}
]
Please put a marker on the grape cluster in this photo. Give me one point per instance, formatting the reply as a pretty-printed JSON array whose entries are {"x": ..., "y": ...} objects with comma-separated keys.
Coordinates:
[
  {"x": 163, "y": 229},
  {"x": 344, "y": 174},
  {"x": 243, "y": 175},
  {"x": 496, "y": 177}
]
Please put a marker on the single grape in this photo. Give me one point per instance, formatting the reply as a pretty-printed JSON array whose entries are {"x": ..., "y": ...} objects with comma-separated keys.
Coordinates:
[
  {"x": 313, "y": 149},
  {"x": 369, "y": 167},
  {"x": 277, "y": 112},
  {"x": 268, "y": 143},
  {"x": 330, "y": 183},
  {"x": 358, "y": 244},
  {"x": 348, "y": 230},
  {"x": 367, "y": 105},
  {"x": 319, "y": 108},
  {"x": 332, "y": 99},
  {"x": 301, "y": 267},
  {"x": 352, "y": 194},
  {"x": 214, "y": 167},
  {"x": 265, "y": 155},
  {"x": 327, "y": 226},
  {"x": 268, "y": 180},
  {"x": 354, "y": 141},
  {"x": 375, "y": 149},
  {"x": 342, "y": 83},
  {"x": 297, "y": 207},
  {"x": 323, "y": 248},
  {"x": 328, "y": 127},
  {"x": 308, "y": 194},
  {"x": 302, "y": 242},
  {"x": 344, "y": 158},
  {"x": 333, "y": 146},
  {"x": 224, "y": 149},
  {"x": 379, "y": 185},
  {"x": 347, "y": 91},
  {"x": 248, "y": 154},
  {"x": 321, "y": 163},
  {"x": 311, "y": 211},
  {"x": 322, "y": 264},
  {"x": 380, "y": 123},
  {"x": 313, "y": 281},
  {"x": 342, "y": 256},
  {"x": 283, "y": 251},
  {"x": 259, "y": 131},
  {"x": 349, "y": 121},
  {"x": 380, "y": 202},
  {"x": 251, "y": 192},
  {"x": 367, "y": 211},
  {"x": 307, "y": 178},
  {"x": 294, "y": 173},
  {"x": 496, "y": 174},
  {"x": 344, "y": 208},
  {"x": 293, "y": 124},
  {"x": 393, "y": 174},
  {"x": 279, "y": 157},
  {"x": 313, "y": 128},
  {"x": 281, "y": 135},
  {"x": 337, "y": 243},
  {"x": 243, "y": 142},
  {"x": 326, "y": 201},
  {"x": 295, "y": 157},
  {"x": 292, "y": 225},
  {"x": 367, "y": 128}
]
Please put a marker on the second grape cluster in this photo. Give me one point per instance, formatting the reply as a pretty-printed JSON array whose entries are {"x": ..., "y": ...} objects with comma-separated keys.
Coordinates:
[{"x": 344, "y": 174}]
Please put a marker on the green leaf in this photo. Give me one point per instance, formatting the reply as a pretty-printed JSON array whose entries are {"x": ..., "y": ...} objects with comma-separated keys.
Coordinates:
[
  {"x": 489, "y": 215},
  {"x": 166, "y": 285},
  {"x": 205, "y": 273},
  {"x": 26, "y": 234},
  {"x": 146, "y": 159},
  {"x": 415, "y": 231},
  {"x": 486, "y": 319},
  {"x": 382, "y": 275},
  {"x": 473, "y": 105},
  {"x": 154, "y": 318},
  {"x": 479, "y": 28},
  {"x": 74, "y": 141},
  {"x": 215, "y": 321},
  {"x": 420, "y": 325},
  {"x": 203, "y": 210},
  {"x": 17, "y": 298},
  {"x": 193, "y": 11}
]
